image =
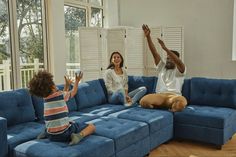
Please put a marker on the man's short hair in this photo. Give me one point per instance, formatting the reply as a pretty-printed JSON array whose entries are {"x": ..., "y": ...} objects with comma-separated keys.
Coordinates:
[{"x": 175, "y": 52}]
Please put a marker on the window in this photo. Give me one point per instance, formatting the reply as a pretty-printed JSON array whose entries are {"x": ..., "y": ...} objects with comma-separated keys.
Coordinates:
[
  {"x": 22, "y": 42},
  {"x": 79, "y": 13}
]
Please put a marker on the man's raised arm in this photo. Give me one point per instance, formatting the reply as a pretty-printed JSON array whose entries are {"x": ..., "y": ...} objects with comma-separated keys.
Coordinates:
[{"x": 151, "y": 46}]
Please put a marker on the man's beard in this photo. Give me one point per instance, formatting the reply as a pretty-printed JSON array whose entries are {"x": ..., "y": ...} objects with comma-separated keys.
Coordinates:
[{"x": 170, "y": 65}]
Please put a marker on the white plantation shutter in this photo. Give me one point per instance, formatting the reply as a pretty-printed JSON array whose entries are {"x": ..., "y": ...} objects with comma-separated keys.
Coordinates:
[
  {"x": 115, "y": 41},
  {"x": 97, "y": 44},
  {"x": 90, "y": 53},
  {"x": 134, "y": 52},
  {"x": 173, "y": 38},
  {"x": 150, "y": 64},
  {"x": 104, "y": 60}
]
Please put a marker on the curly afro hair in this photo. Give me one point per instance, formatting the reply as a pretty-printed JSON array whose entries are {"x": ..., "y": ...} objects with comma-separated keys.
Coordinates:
[{"x": 41, "y": 84}]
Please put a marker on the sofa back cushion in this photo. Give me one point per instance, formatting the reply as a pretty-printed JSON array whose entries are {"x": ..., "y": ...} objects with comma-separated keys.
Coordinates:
[
  {"x": 16, "y": 106},
  {"x": 213, "y": 92},
  {"x": 149, "y": 82},
  {"x": 38, "y": 104},
  {"x": 90, "y": 94},
  {"x": 186, "y": 89}
]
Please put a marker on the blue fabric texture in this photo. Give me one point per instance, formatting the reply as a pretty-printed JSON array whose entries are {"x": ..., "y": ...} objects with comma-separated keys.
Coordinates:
[
  {"x": 90, "y": 94},
  {"x": 156, "y": 119},
  {"x": 3, "y": 137},
  {"x": 80, "y": 117},
  {"x": 22, "y": 133},
  {"x": 103, "y": 110},
  {"x": 123, "y": 132},
  {"x": 16, "y": 106},
  {"x": 186, "y": 89},
  {"x": 208, "y": 124},
  {"x": 206, "y": 116},
  {"x": 39, "y": 107},
  {"x": 91, "y": 146},
  {"x": 160, "y": 122},
  {"x": 135, "y": 82},
  {"x": 213, "y": 92},
  {"x": 133, "y": 151}
]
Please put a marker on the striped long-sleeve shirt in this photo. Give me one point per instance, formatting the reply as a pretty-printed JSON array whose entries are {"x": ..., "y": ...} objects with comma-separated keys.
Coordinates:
[{"x": 56, "y": 112}]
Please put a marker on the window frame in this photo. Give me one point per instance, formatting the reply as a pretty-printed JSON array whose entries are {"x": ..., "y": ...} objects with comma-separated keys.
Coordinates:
[
  {"x": 14, "y": 40},
  {"x": 88, "y": 6}
]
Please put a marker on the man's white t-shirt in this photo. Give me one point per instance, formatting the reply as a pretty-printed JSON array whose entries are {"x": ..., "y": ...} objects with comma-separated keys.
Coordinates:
[{"x": 169, "y": 80}]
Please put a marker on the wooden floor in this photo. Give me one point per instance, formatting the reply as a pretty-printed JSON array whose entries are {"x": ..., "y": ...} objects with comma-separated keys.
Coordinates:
[{"x": 194, "y": 149}]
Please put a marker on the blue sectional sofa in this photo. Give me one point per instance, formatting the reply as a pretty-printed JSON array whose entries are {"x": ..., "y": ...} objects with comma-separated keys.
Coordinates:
[{"x": 120, "y": 131}]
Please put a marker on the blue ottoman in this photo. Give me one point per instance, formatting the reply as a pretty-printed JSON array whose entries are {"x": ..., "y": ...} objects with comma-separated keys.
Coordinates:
[
  {"x": 130, "y": 137},
  {"x": 160, "y": 122},
  {"x": 91, "y": 146}
]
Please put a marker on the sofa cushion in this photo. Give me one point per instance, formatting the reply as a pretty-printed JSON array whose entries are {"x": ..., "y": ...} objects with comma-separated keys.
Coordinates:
[
  {"x": 186, "y": 89},
  {"x": 123, "y": 132},
  {"x": 22, "y": 133},
  {"x": 90, "y": 94},
  {"x": 138, "y": 81},
  {"x": 103, "y": 110},
  {"x": 80, "y": 117},
  {"x": 39, "y": 107},
  {"x": 213, "y": 92},
  {"x": 16, "y": 106},
  {"x": 91, "y": 146},
  {"x": 157, "y": 119},
  {"x": 206, "y": 116},
  {"x": 3, "y": 137}
]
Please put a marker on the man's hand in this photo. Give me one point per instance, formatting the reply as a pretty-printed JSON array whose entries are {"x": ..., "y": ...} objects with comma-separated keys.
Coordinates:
[
  {"x": 78, "y": 77},
  {"x": 162, "y": 44},
  {"x": 146, "y": 30}
]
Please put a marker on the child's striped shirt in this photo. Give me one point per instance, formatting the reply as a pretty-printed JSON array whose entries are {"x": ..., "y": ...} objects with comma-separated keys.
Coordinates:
[{"x": 56, "y": 112}]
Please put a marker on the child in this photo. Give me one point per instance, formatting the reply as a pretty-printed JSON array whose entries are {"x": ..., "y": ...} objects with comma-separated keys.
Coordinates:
[{"x": 58, "y": 126}]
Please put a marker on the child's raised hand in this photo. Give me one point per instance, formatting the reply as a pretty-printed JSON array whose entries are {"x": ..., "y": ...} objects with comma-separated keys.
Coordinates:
[
  {"x": 78, "y": 77},
  {"x": 68, "y": 81}
]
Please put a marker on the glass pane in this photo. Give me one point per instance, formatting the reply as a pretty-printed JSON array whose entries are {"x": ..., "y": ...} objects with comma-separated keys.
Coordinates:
[
  {"x": 96, "y": 17},
  {"x": 5, "y": 48},
  {"x": 29, "y": 23},
  {"x": 96, "y": 2},
  {"x": 74, "y": 18}
]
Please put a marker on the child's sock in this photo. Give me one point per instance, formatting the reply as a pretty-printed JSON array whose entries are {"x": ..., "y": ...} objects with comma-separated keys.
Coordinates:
[
  {"x": 42, "y": 135},
  {"x": 76, "y": 138}
]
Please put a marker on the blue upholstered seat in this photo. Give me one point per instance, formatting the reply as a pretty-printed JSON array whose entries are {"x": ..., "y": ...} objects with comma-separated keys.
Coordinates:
[{"x": 90, "y": 146}]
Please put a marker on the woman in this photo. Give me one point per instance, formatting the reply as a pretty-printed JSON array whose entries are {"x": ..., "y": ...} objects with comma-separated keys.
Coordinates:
[{"x": 116, "y": 81}]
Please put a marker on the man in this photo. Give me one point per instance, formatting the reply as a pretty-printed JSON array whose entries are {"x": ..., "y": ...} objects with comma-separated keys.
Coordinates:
[{"x": 171, "y": 71}]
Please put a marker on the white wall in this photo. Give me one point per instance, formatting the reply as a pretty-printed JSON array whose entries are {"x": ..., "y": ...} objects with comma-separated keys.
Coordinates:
[
  {"x": 111, "y": 14},
  {"x": 208, "y": 26},
  {"x": 234, "y": 33},
  {"x": 56, "y": 34}
]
